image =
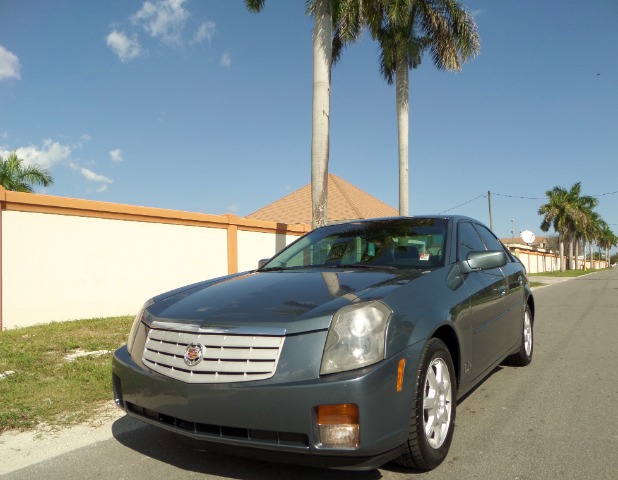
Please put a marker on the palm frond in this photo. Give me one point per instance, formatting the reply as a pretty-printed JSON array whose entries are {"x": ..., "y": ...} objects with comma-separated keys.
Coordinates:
[
  {"x": 19, "y": 178},
  {"x": 255, "y": 6}
]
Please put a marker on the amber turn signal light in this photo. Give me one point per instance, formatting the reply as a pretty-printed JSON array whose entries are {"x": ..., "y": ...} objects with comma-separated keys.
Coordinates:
[
  {"x": 338, "y": 425},
  {"x": 400, "y": 368}
]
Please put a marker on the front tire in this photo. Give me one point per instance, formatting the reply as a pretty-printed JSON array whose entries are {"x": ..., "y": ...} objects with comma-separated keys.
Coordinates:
[
  {"x": 432, "y": 419},
  {"x": 523, "y": 356}
]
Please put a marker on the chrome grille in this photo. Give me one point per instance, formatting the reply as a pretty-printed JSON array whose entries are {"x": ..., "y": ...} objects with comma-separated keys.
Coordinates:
[{"x": 225, "y": 358}]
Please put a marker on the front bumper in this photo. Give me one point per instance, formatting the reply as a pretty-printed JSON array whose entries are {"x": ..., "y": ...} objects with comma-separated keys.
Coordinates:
[{"x": 276, "y": 420}]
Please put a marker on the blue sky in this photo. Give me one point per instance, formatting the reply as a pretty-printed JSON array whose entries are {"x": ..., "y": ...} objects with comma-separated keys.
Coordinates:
[{"x": 202, "y": 106}]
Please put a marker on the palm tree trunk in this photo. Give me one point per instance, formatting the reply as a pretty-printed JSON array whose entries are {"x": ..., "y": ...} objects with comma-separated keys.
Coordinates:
[
  {"x": 402, "y": 88},
  {"x": 562, "y": 266},
  {"x": 576, "y": 255},
  {"x": 322, "y": 54}
]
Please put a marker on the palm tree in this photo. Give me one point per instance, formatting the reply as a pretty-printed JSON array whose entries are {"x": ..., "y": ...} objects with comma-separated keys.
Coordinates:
[
  {"x": 591, "y": 233},
  {"x": 584, "y": 219},
  {"x": 322, "y": 60},
  {"x": 405, "y": 30},
  {"x": 607, "y": 239},
  {"x": 566, "y": 212},
  {"x": 555, "y": 215},
  {"x": 19, "y": 178}
]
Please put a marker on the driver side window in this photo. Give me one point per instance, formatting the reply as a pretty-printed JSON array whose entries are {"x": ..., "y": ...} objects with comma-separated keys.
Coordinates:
[
  {"x": 488, "y": 238},
  {"x": 468, "y": 241}
]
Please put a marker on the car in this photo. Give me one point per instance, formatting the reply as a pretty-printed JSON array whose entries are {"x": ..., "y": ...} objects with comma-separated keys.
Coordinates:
[{"x": 348, "y": 349}]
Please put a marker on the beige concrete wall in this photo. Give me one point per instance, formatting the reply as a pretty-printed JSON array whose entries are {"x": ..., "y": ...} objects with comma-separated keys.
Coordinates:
[
  {"x": 254, "y": 246},
  {"x": 537, "y": 262},
  {"x": 540, "y": 261},
  {"x": 66, "y": 259},
  {"x": 59, "y": 267}
]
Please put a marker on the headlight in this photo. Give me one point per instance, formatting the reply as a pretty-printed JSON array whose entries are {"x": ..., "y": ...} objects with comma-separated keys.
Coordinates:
[
  {"x": 136, "y": 324},
  {"x": 356, "y": 337}
]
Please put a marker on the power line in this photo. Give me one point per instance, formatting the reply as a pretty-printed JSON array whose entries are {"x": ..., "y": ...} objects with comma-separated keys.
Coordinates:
[
  {"x": 603, "y": 194},
  {"x": 543, "y": 198},
  {"x": 461, "y": 205},
  {"x": 517, "y": 197}
]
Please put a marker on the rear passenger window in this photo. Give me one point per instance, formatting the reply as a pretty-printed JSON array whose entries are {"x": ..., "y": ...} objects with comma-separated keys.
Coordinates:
[{"x": 468, "y": 241}]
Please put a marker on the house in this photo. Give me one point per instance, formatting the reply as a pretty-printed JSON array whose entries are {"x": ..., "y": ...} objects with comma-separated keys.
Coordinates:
[
  {"x": 345, "y": 202},
  {"x": 539, "y": 242}
]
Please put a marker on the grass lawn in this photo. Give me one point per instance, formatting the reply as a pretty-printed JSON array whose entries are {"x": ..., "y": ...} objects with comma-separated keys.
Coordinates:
[
  {"x": 566, "y": 273},
  {"x": 40, "y": 381}
]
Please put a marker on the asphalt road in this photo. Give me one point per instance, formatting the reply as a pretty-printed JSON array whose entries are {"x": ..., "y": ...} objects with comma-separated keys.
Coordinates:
[{"x": 555, "y": 419}]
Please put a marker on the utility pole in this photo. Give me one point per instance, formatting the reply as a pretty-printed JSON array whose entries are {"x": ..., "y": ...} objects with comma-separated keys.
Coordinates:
[
  {"x": 491, "y": 221},
  {"x": 512, "y": 228}
]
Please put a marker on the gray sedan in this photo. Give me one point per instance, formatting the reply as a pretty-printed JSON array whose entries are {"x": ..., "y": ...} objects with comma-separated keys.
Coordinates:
[{"x": 348, "y": 349}]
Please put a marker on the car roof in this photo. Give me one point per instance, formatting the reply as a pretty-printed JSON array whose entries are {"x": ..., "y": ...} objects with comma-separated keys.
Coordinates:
[{"x": 454, "y": 218}]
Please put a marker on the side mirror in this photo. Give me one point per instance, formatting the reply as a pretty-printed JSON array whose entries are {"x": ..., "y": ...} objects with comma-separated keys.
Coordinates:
[
  {"x": 484, "y": 260},
  {"x": 262, "y": 262}
]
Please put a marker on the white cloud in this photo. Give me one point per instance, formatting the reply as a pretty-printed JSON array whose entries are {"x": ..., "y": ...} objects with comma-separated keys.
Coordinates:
[
  {"x": 9, "y": 64},
  {"x": 52, "y": 153},
  {"x": 45, "y": 157},
  {"x": 126, "y": 48},
  {"x": 116, "y": 155},
  {"x": 163, "y": 19},
  {"x": 91, "y": 176},
  {"x": 95, "y": 177},
  {"x": 226, "y": 60},
  {"x": 205, "y": 31}
]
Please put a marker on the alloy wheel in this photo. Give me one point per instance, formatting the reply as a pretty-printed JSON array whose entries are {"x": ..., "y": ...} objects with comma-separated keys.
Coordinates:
[{"x": 437, "y": 403}]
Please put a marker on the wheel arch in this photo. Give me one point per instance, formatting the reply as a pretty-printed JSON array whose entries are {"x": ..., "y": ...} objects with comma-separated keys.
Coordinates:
[
  {"x": 530, "y": 303},
  {"x": 447, "y": 334}
]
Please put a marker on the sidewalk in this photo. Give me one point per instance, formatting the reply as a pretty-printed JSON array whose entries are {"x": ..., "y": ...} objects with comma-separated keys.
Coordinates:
[
  {"x": 548, "y": 280},
  {"x": 21, "y": 449}
]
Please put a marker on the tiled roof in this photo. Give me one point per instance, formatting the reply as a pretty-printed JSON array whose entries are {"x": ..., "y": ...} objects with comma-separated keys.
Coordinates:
[{"x": 345, "y": 202}]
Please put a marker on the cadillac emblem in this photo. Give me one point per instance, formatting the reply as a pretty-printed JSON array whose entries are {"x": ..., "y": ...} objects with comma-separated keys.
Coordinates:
[{"x": 194, "y": 354}]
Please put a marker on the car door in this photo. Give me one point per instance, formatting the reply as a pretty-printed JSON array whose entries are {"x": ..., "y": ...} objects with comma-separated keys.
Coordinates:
[
  {"x": 487, "y": 290},
  {"x": 514, "y": 298}
]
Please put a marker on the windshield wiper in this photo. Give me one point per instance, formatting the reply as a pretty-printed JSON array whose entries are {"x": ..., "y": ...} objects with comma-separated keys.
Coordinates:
[
  {"x": 364, "y": 266},
  {"x": 279, "y": 269},
  {"x": 368, "y": 266}
]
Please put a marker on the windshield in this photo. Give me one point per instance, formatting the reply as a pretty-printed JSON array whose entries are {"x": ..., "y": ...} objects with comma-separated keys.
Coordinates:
[{"x": 396, "y": 243}]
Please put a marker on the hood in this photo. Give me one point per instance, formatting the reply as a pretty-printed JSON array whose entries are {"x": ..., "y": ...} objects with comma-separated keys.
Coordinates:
[{"x": 295, "y": 301}]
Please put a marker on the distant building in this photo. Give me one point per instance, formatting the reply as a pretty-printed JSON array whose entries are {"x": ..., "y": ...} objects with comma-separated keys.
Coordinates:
[
  {"x": 345, "y": 202},
  {"x": 539, "y": 242}
]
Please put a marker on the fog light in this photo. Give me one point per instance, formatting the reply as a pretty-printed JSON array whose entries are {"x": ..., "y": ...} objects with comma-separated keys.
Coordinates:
[{"x": 338, "y": 425}]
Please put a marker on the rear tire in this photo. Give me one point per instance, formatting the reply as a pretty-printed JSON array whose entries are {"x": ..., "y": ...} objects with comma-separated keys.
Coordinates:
[
  {"x": 432, "y": 419},
  {"x": 523, "y": 356}
]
